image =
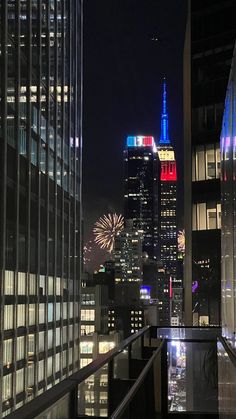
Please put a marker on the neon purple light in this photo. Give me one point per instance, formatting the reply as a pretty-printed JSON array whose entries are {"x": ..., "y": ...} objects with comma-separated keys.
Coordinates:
[
  {"x": 195, "y": 286},
  {"x": 227, "y": 144}
]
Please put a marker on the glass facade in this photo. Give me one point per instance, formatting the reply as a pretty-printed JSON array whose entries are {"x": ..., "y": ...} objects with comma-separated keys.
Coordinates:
[
  {"x": 207, "y": 58},
  {"x": 206, "y": 162},
  {"x": 228, "y": 188},
  {"x": 140, "y": 192},
  {"x": 40, "y": 178}
]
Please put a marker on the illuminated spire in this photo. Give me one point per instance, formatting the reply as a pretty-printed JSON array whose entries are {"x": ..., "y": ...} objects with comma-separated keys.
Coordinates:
[{"x": 164, "y": 139}]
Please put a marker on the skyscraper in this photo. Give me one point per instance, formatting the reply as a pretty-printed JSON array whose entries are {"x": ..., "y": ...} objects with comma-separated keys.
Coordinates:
[
  {"x": 127, "y": 255},
  {"x": 40, "y": 177},
  {"x": 208, "y": 52},
  {"x": 167, "y": 207},
  {"x": 140, "y": 188}
]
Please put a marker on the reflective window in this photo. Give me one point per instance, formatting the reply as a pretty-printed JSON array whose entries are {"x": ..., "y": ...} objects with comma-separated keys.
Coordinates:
[
  {"x": 20, "y": 315},
  {"x": 31, "y": 314},
  {"x": 34, "y": 153},
  {"x": 41, "y": 313},
  {"x": 57, "y": 362},
  {"x": 50, "y": 312},
  {"x": 58, "y": 336},
  {"x": 21, "y": 283},
  {"x": 20, "y": 348},
  {"x": 49, "y": 366},
  {"x": 9, "y": 282},
  {"x": 50, "y": 339},
  {"x": 41, "y": 342},
  {"x": 32, "y": 284},
  {"x": 58, "y": 311},
  {"x": 50, "y": 285},
  {"x": 7, "y": 351},
  {"x": 42, "y": 285},
  {"x": 41, "y": 370},
  {"x": 8, "y": 317},
  {"x": 31, "y": 343},
  {"x": 31, "y": 374},
  {"x": 206, "y": 216},
  {"x": 206, "y": 162},
  {"x": 7, "y": 387}
]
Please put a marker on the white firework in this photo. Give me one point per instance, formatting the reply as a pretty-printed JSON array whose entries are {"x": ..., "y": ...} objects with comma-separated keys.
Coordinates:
[{"x": 106, "y": 229}]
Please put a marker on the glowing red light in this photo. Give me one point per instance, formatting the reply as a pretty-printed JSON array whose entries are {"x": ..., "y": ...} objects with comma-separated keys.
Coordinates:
[
  {"x": 168, "y": 171},
  {"x": 171, "y": 289},
  {"x": 148, "y": 141}
]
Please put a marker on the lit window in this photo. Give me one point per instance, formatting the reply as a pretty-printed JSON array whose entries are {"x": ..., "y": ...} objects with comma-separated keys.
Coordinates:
[
  {"x": 105, "y": 347},
  {"x": 88, "y": 315},
  {"x": 86, "y": 347},
  {"x": 31, "y": 314},
  {"x": 9, "y": 283},
  {"x": 7, "y": 351},
  {"x": 20, "y": 315},
  {"x": 7, "y": 387},
  {"x": 8, "y": 317}
]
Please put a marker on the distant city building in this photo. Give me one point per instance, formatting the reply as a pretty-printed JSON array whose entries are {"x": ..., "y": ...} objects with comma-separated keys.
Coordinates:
[
  {"x": 156, "y": 285},
  {"x": 106, "y": 276},
  {"x": 208, "y": 52},
  {"x": 94, "y": 309},
  {"x": 40, "y": 196},
  {"x": 95, "y": 340},
  {"x": 168, "y": 211},
  {"x": 141, "y": 172},
  {"x": 127, "y": 318},
  {"x": 127, "y": 254}
]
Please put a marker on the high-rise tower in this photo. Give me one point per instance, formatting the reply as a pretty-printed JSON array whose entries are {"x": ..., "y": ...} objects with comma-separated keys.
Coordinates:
[
  {"x": 40, "y": 176},
  {"x": 208, "y": 53},
  {"x": 167, "y": 209},
  {"x": 141, "y": 184}
]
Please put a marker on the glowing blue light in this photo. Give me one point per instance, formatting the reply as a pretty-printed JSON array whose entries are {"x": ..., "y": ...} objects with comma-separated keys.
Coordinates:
[
  {"x": 131, "y": 141},
  {"x": 164, "y": 139},
  {"x": 145, "y": 292}
]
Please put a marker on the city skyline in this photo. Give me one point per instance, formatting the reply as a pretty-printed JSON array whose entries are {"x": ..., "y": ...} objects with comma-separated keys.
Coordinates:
[
  {"x": 133, "y": 76},
  {"x": 117, "y": 136}
]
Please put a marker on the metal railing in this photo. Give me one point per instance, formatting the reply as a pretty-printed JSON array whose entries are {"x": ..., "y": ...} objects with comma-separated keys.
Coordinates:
[
  {"x": 140, "y": 377},
  {"x": 69, "y": 386}
]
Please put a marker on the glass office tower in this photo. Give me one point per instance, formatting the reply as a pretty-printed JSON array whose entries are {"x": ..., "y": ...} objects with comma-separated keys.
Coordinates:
[
  {"x": 208, "y": 53},
  {"x": 40, "y": 178},
  {"x": 140, "y": 189}
]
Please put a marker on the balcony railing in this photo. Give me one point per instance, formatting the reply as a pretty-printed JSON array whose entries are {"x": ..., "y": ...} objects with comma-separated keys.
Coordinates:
[{"x": 156, "y": 373}]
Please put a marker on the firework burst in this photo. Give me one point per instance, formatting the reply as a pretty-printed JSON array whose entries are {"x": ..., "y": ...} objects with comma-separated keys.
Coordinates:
[
  {"x": 106, "y": 229},
  {"x": 181, "y": 241},
  {"x": 87, "y": 252}
]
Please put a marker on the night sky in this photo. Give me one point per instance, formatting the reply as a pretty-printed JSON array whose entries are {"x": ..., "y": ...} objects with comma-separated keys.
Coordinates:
[{"x": 123, "y": 71}]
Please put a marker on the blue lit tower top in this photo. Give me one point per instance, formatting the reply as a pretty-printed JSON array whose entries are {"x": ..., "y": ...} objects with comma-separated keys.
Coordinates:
[{"x": 164, "y": 139}]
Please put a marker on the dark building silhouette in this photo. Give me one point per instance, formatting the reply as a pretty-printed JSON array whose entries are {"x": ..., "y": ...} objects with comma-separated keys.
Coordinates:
[
  {"x": 40, "y": 178},
  {"x": 140, "y": 190},
  {"x": 209, "y": 43}
]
